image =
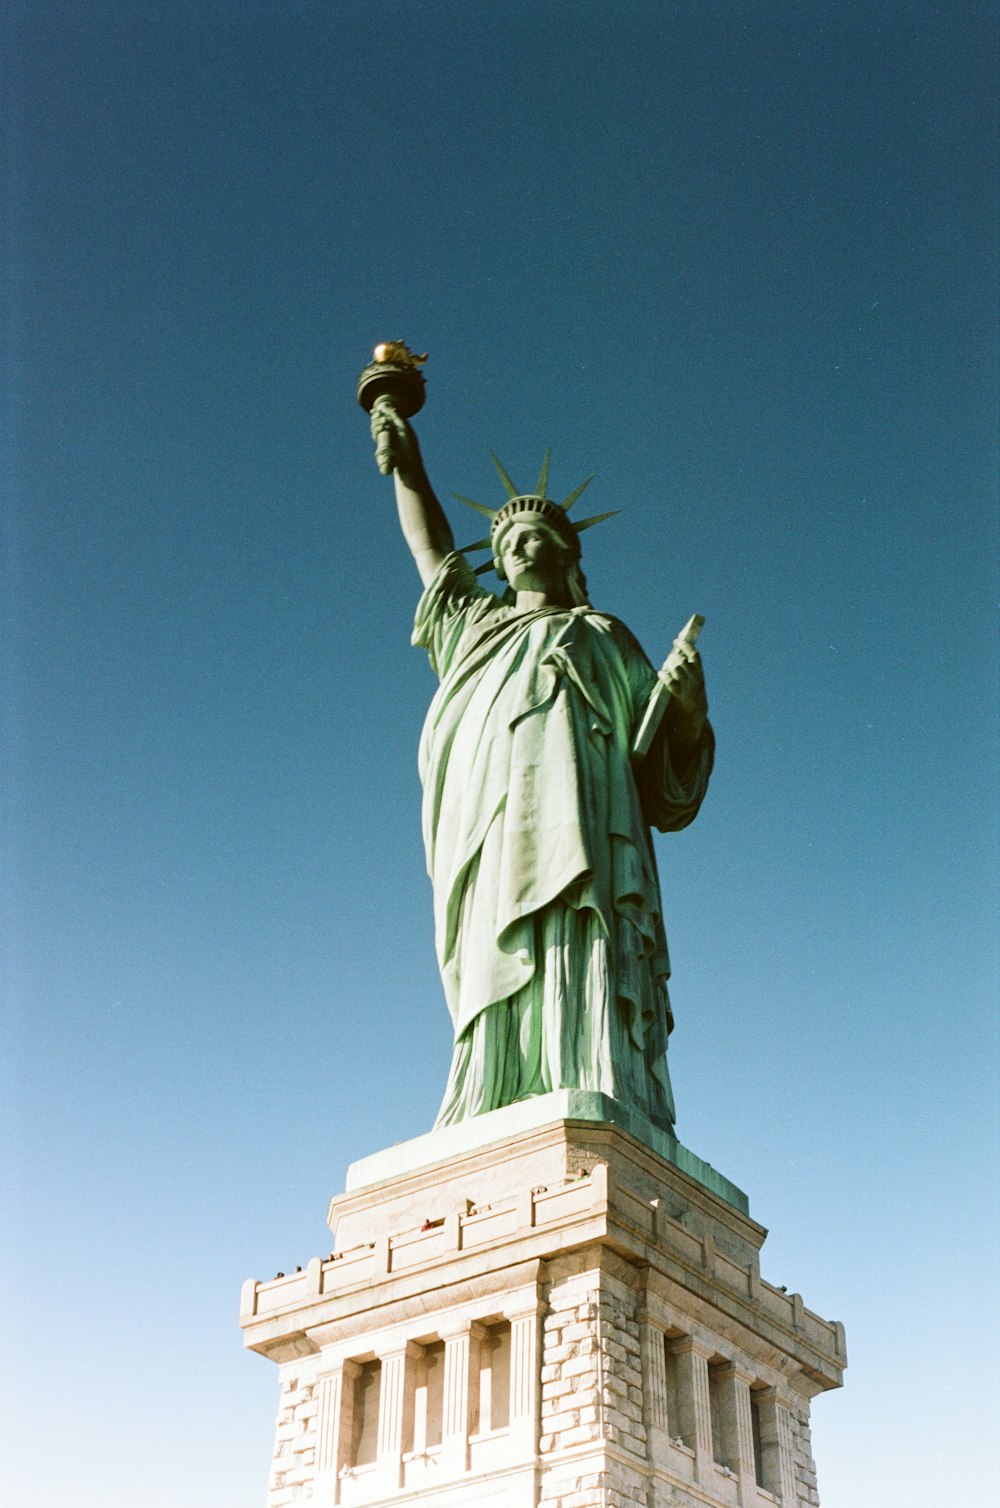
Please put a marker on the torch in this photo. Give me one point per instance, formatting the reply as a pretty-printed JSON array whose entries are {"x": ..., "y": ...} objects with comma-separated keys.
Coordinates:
[{"x": 394, "y": 377}]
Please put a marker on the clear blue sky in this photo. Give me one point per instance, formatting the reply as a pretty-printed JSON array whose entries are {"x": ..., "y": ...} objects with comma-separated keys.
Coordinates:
[{"x": 737, "y": 259}]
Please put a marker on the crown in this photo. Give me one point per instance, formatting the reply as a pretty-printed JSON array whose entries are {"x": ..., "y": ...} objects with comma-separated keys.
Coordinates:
[{"x": 530, "y": 503}]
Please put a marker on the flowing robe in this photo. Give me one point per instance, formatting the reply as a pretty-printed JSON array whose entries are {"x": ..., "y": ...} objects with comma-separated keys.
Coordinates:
[{"x": 547, "y": 910}]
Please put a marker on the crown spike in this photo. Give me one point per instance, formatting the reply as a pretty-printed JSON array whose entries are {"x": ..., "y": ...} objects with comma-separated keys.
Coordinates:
[
  {"x": 588, "y": 523},
  {"x": 480, "y": 544},
  {"x": 567, "y": 505},
  {"x": 470, "y": 502},
  {"x": 480, "y": 570},
  {"x": 509, "y": 487},
  {"x": 543, "y": 475}
]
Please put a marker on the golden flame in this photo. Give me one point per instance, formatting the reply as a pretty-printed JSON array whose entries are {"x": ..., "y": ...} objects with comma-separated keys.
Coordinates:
[{"x": 399, "y": 352}]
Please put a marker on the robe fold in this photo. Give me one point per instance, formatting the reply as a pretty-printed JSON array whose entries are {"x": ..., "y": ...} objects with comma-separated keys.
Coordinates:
[{"x": 548, "y": 923}]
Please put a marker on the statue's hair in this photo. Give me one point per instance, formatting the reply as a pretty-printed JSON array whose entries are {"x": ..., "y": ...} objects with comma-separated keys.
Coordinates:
[{"x": 577, "y": 583}]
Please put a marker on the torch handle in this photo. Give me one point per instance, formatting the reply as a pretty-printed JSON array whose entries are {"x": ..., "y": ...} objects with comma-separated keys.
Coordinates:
[
  {"x": 383, "y": 454},
  {"x": 385, "y": 457}
]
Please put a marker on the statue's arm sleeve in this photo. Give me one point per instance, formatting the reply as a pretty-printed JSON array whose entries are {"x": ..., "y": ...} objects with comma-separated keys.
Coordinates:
[
  {"x": 452, "y": 603},
  {"x": 671, "y": 792}
]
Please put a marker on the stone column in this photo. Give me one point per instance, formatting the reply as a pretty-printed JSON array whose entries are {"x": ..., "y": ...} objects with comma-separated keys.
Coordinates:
[
  {"x": 461, "y": 1392},
  {"x": 395, "y": 1412},
  {"x": 776, "y": 1445},
  {"x": 737, "y": 1428},
  {"x": 334, "y": 1430},
  {"x": 694, "y": 1409},
  {"x": 525, "y": 1367},
  {"x": 654, "y": 1366}
]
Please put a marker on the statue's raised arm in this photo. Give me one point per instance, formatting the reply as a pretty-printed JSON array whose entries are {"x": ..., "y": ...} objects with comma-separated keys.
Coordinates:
[
  {"x": 421, "y": 517},
  {"x": 391, "y": 389}
]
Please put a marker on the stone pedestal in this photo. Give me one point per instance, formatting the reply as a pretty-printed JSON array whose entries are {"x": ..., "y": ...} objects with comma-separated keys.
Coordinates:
[{"x": 540, "y": 1310}]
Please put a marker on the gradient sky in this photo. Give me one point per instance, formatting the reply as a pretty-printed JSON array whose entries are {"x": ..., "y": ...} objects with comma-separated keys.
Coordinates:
[{"x": 739, "y": 260}]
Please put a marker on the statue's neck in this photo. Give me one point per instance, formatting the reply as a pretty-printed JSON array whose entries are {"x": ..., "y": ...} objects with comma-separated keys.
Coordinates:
[{"x": 529, "y": 602}]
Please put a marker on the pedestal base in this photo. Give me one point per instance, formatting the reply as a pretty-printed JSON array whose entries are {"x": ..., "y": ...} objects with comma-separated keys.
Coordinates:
[
  {"x": 549, "y": 1314},
  {"x": 528, "y": 1115}
]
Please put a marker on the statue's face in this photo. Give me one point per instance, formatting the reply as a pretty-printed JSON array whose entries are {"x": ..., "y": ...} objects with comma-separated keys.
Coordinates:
[{"x": 533, "y": 557}]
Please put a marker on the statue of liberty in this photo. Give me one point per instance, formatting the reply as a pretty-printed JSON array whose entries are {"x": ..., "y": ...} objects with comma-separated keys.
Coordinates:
[{"x": 536, "y": 807}]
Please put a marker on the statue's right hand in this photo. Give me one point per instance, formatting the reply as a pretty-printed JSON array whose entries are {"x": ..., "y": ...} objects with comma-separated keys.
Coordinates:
[{"x": 395, "y": 442}]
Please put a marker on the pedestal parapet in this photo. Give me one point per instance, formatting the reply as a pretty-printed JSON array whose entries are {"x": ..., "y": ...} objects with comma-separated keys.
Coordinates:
[{"x": 563, "y": 1318}]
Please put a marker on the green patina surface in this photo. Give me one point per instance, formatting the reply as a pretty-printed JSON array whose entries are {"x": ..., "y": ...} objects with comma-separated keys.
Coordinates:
[
  {"x": 548, "y": 917},
  {"x": 538, "y": 806}
]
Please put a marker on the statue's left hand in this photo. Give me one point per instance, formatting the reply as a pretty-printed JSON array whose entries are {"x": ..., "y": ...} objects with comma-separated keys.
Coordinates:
[{"x": 685, "y": 680}]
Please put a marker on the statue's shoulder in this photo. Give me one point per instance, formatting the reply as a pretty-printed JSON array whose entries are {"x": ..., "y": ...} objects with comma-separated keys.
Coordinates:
[
  {"x": 451, "y": 603},
  {"x": 456, "y": 581},
  {"x": 623, "y": 637}
]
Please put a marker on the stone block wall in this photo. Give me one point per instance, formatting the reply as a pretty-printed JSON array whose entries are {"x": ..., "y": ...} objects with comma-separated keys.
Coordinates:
[
  {"x": 802, "y": 1458},
  {"x": 591, "y": 1372},
  {"x": 591, "y": 1396},
  {"x": 294, "y": 1460}
]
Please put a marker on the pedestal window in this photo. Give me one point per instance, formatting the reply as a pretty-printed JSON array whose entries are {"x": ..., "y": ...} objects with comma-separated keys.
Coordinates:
[
  {"x": 715, "y": 1404},
  {"x": 494, "y": 1379},
  {"x": 367, "y": 1398},
  {"x": 758, "y": 1446},
  {"x": 428, "y": 1398}
]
